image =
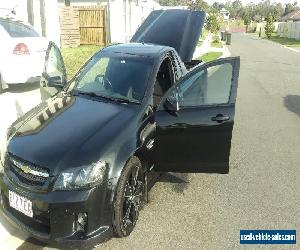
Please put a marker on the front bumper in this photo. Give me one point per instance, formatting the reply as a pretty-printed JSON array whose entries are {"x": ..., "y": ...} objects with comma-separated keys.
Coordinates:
[{"x": 55, "y": 215}]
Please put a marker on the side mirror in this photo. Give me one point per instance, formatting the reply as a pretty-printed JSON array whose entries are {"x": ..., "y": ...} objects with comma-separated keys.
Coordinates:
[
  {"x": 171, "y": 105},
  {"x": 55, "y": 81}
]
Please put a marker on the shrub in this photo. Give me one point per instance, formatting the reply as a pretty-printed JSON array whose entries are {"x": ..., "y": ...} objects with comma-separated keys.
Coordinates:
[
  {"x": 212, "y": 23},
  {"x": 269, "y": 29},
  {"x": 216, "y": 39}
]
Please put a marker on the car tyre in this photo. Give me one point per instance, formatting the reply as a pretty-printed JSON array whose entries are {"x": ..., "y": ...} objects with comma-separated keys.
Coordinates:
[{"x": 130, "y": 197}]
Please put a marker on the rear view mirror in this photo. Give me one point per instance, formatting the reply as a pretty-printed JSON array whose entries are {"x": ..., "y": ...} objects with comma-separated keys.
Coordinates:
[
  {"x": 171, "y": 104},
  {"x": 172, "y": 101}
]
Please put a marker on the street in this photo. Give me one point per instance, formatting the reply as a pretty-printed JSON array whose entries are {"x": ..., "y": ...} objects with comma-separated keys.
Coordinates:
[{"x": 207, "y": 211}]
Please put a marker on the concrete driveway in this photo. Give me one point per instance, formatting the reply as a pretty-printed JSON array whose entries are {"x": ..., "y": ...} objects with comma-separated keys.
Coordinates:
[{"x": 202, "y": 211}]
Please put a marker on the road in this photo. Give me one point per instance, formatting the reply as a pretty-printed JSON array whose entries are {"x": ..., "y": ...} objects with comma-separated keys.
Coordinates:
[{"x": 262, "y": 190}]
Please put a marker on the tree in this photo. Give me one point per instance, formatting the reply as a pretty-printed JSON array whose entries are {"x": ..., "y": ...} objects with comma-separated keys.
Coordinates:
[
  {"x": 256, "y": 12},
  {"x": 247, "y": 20},
  {"x": 198, "y": 5},
  {"x": 172, "y": 2},
  {"x": 249, "y": 12},
  {"x": 212, "y": 23},
  {"x": 263, "y": 9},
  {"x": 269, "y": 28},
  {"x": 236, "y": 8},
  {"x": 217, "y": 6},
  {"x": 277, "y": 11},
  {"x": 290, "y": 8}
]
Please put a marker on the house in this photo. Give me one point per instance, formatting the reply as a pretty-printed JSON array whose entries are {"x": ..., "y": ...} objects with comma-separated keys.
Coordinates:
[
  {"x": 294, "y": 16},
  {"x": 41, "y": 14},
  {"x": 59, "y": 20},
  {"x": 123, "y": 16},
  {"x": 225, "y": 14}
]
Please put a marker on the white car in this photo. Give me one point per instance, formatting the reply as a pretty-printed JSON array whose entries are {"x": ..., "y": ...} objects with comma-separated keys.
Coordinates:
[{"x": 22, "y": 53}]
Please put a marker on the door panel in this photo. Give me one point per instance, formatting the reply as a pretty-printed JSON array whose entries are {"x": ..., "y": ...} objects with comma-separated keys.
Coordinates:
[
  {"x": 188, "y": 142},
  {"x": 54, "y": 76},
  {"x": 197, "y": 137}
]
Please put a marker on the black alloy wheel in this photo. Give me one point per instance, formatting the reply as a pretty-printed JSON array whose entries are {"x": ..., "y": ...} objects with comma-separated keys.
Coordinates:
[{"x": 130, "y": 197}]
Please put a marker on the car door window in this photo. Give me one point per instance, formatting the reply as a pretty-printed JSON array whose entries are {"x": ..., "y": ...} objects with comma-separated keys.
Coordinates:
[
  {"x": 209, "y": 86},
  {"x": 55, "y": 64},
  {"x": 164, "y": 80}
]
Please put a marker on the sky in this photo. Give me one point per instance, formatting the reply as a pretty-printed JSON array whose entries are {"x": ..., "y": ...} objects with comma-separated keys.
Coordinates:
[{"x": 254, "y": 1}]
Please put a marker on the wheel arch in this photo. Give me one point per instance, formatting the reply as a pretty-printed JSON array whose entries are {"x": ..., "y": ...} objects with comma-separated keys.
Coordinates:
[{"x": 128, "y": 151}]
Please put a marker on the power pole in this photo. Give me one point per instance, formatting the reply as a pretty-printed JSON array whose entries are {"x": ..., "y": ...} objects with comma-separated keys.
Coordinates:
[
  {"x": 30, "y": 14},
  {"x": 43, "y": 17}
]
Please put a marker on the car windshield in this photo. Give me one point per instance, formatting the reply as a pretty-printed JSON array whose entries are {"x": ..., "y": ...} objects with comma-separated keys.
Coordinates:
[
  {"x": 15, "y": 29},
  {"x": 115, "y": 76}
]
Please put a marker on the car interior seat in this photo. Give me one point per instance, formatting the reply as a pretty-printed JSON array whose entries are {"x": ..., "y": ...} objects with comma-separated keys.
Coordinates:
[{"x": 163, "y": 82}]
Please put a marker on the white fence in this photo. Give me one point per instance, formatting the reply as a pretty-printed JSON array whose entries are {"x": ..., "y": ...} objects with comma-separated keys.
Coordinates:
[
  {"x": 263, "y": 24},
  {"x": 289, "y": 30}
]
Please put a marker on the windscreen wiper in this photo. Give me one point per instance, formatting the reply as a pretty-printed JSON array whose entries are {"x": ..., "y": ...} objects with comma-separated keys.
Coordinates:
[
  {"x": 114, "y": 99},
  {"x": 125, "y": 100},
  {"x": 93, "y": 94}
]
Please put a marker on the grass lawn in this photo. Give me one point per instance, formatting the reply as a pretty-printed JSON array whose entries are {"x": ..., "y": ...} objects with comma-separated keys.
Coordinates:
[
  {"x": 210, "y": 56},
  {"x": 285, "y": 41},
  {"x": 204, "y": 33},
  {"x": 74, "y": 58},
  {"x": 217, "y": 44}
]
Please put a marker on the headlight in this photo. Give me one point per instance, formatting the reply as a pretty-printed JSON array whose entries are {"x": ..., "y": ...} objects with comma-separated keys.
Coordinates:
[{"x": 81, "y": 177}]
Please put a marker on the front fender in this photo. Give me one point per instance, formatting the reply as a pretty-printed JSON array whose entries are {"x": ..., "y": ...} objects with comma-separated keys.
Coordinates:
[{"x": 128, "y": 150}]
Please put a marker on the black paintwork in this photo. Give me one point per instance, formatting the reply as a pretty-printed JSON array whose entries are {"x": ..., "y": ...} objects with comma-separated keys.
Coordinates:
[
  {"x": 183, "y": 35},
  {"x": 200, "y": 142},
  {"x": 75, "y": 135},
  {"x": 71, "y": 130}
]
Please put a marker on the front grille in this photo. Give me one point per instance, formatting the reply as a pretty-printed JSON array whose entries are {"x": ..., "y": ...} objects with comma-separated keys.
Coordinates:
[{"x": 26, "y": 172}]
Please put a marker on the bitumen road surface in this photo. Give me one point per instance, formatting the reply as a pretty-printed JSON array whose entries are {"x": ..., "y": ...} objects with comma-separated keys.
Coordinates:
[{"x": 207, "y": 211}]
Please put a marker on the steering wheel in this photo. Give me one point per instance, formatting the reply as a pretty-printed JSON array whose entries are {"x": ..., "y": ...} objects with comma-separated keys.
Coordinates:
[
  {"x": 107, "y": 84},
  {"x": 101, "y": 79}
]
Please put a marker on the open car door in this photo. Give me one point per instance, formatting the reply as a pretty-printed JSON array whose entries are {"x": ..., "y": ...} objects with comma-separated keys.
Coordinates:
[
  {"x": 179, "y": 29},
  {"x": 54, "y": 76},
  {"x": 195, "y": 118}
]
